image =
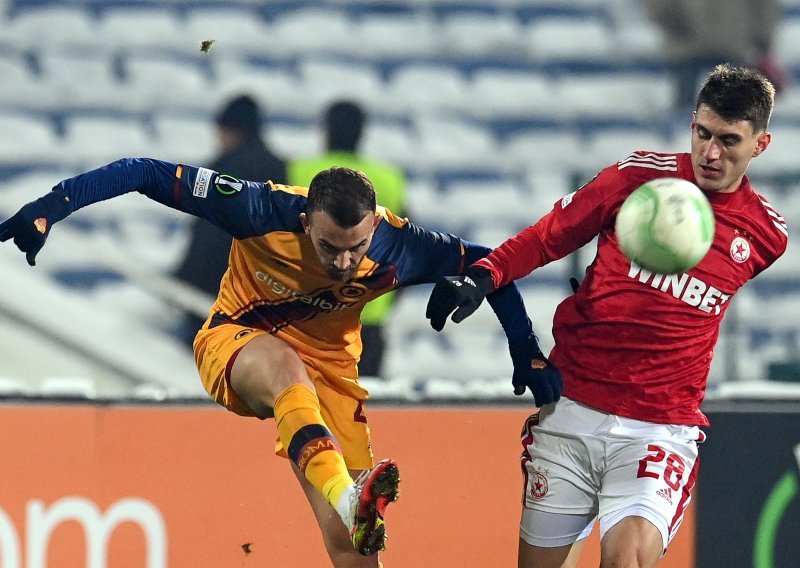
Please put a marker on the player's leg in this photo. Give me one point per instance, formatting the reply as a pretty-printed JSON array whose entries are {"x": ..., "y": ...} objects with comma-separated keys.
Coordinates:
[
  {"x": 253, "y": 373},
  {"x": 651, "y": 470},
  {"x": 375, "y": 486},
  {"x": 334, "y": 534},
  {"x": 633, "y": 542},
  {"x": 539, "y": 534},
  {"x": 559, "y": 502},
  {"x": 268, "y": 376}
]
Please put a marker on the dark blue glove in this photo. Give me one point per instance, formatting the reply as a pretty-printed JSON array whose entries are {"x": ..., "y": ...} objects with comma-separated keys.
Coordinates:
[
  {"x": 30, "y": 226},
  {"x": 534, "y": 371},
  {"x": 462, "y": 293}
]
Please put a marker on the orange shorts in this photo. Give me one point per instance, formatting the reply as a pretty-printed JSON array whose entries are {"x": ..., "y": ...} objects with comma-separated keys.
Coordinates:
[{"x": 215, "y": 350}]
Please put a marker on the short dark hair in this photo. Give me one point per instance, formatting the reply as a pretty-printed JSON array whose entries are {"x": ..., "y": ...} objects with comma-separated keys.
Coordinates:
[
  {"x": 345, "y": 194},
  {"x": 344, "y": 122},
  {"x": 739, "y": 93}
]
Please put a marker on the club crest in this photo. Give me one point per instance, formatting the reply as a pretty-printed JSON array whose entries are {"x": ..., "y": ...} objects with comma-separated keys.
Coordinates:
[{"x": 740, "y": 249}]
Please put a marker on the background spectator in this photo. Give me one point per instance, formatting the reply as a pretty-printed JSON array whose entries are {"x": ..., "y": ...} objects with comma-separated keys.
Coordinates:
[
  {"x": 244, "y": 154},
  {"x": 699, "y": 35}
]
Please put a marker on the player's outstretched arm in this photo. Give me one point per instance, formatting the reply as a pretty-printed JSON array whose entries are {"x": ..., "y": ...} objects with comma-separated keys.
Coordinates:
[
  {"x": 460, "y": 295},
  {"x": 30, "y": 226}
]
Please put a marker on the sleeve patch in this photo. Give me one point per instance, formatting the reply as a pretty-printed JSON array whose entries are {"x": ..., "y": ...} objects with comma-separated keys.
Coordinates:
[{"x": 201, "y": 182}]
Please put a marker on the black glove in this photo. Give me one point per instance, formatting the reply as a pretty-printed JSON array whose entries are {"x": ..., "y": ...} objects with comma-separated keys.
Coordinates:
[
  {"x": 462, "y": 293},
  {"x": 533, "y": 370},
  {"x": 30, "y": 226}
]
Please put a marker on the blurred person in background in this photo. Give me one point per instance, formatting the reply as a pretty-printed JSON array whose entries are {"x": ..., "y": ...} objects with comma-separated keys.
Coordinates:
[
  {"x": 243, "y": 154},
  {"x": 282, "y": 339},
  {"x": 634, "y": 347},
  {"x": 344, "y": 123},
  {"x": 700, "y": 35}
]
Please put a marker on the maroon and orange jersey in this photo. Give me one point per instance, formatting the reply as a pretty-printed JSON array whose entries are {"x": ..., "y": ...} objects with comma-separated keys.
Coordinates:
[{"x": 275, "y": 281}]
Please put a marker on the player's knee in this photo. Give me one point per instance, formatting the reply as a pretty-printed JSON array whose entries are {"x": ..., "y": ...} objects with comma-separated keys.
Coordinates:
[{"x": 633, "y": 542}]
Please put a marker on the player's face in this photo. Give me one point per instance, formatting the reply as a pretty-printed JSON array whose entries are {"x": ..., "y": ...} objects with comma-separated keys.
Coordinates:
[
  {"x": 722, "y": 150},
  {"x": 340, "y": 250}
]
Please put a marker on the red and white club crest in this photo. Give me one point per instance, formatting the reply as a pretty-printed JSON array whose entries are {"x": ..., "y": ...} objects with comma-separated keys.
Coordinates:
[
  {"x": 740, "y": 249},
  {"x": 539, "y": 483}
]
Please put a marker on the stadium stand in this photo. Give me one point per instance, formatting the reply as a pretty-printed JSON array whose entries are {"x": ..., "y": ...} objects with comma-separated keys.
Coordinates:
[{"x": 495, "y": 109}]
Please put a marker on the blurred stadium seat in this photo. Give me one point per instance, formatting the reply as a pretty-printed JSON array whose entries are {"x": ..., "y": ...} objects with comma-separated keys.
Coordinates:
[
  {"x": 481, "y": 35},
  {"x": 420, "y": 87},
  {"x": 164, "y": 82},
  {"x": 186, "y": 138},
  {"x": 52, "y": 26},
  {"x": 144, "y": 27},
  {"x": 311, "y": 31},
  {"x": 94, "y": 140},
  {"x": 28, "y": 140},
  {"x": 558, "y": 40},
  {"x": 511, "y": 93}
]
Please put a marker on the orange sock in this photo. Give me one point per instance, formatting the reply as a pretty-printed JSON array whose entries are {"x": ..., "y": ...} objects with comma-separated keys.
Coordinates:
[{"x": 309, "y": 443}]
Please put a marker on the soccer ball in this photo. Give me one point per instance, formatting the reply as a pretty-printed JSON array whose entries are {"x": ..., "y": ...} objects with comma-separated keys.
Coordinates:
[{"x": 665, "y": 226}]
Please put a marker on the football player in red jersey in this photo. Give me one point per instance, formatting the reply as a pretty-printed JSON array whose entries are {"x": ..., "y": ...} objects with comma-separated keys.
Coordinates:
[
  {"x": 634, "y": 347},
  {"x": 283, "y": 338}
]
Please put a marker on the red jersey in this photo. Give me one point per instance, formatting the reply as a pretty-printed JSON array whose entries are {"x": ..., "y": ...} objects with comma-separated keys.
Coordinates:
[{"x": 631, "y": 342}]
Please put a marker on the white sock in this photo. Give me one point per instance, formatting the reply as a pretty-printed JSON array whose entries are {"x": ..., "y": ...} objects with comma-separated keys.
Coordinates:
[{"x": 343, "y": 507}]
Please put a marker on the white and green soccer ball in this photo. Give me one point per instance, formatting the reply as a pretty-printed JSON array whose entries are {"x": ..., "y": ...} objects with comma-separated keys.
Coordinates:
[{"x": 666, "y": 226}]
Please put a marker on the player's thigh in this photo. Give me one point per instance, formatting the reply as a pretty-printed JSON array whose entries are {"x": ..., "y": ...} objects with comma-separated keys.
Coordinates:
[
  {"x": 649, "y": 478},
  {"x": 552, "y": 540},
  {"x": 216, "y": 351},
  {"x": 558, "y": 464},
  {"x": 537, "y": 557},
  {"x": 560, "y": 488}
]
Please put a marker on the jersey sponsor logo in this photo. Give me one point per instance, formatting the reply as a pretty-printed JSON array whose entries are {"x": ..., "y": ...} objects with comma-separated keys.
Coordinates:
[
  {"x": 688, "y": 289},
  {"x": 228, "y": 186},
  {"x": 201, "y": 182},
  {"x": 281, "y": 289},
  {"x": 539, "y": 484},
  {"x": 567, "y": 199},
  {"x": 651, "y": 161},
  {"x": 740, "y": 249}
]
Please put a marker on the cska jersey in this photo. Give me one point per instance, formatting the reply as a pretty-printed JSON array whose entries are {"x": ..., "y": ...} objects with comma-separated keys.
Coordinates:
[
  {"x": 275, "y": 281},
  {"x": 631, "y": 342}
]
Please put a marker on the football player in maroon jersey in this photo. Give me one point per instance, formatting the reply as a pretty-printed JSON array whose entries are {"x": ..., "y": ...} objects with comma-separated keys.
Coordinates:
[{"x": 634, "y": 347}]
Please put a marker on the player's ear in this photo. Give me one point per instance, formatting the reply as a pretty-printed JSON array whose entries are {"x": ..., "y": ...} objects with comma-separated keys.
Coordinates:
[
  {"x": 763, "y": 141},
  {"x": 376, "y": 221},
  {"x": 304, "y": 221}
]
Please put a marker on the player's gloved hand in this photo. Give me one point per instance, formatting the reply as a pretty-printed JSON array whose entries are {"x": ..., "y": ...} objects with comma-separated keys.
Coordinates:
[
  {"x": 30, "y": 225},
  {"x": 462, "y": 293},
  {"x": 534, "y": 371}
]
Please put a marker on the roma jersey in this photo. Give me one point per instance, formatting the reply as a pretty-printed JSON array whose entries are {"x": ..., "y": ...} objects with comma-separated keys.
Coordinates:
[
  {"x": 631, "y": 342},
  {"x": 275, "y": 281}
]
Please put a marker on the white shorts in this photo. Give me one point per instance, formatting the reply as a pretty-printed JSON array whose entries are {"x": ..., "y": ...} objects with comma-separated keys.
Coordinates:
[{"x": 580, "y": 464}]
